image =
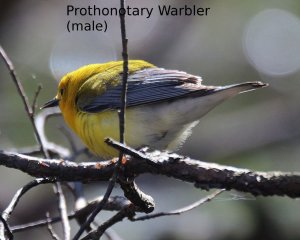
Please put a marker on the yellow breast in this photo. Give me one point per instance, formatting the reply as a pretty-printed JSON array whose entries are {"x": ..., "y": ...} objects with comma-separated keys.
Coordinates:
[{"x": 94, "y": 128}]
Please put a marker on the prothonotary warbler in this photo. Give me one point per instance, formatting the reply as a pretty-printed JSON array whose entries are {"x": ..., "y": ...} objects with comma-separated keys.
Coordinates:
[{"x": 162, "y": 105}]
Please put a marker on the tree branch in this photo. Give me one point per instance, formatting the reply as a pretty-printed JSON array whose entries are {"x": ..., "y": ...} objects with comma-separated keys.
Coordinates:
[
  {"x": 136, "y": 196},
  {"x": 204, "y": 175}
]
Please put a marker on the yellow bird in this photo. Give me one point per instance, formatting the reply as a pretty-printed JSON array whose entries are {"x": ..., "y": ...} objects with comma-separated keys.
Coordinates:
[{"x": 162, "y": 105}]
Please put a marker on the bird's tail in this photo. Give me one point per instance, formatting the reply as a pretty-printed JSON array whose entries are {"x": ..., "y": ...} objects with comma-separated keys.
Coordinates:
[{"x": 242, "y": 87}]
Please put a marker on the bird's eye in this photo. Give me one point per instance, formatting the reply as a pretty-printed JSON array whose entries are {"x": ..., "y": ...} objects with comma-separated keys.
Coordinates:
[{"x": 61, "y": 91}]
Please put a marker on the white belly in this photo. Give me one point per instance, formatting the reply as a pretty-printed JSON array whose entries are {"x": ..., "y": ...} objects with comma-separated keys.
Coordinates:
[{"x": 168, "y": 125}]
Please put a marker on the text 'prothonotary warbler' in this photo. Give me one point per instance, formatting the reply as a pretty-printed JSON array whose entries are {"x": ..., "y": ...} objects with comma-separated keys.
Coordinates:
[{"x": 162, "y": 105}]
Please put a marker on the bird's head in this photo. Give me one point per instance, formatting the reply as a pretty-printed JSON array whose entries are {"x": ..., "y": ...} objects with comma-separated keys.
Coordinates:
[
  {"x": 70, "y": 85},
  {"x": 97, "y": 78}
]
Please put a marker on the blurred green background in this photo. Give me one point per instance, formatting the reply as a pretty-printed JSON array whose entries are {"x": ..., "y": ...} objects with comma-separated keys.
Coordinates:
[{"x": 238, "y": 41}]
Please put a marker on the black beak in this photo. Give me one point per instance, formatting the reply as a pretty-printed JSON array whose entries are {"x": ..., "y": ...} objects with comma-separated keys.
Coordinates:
[{"x": 52, "y": 103}]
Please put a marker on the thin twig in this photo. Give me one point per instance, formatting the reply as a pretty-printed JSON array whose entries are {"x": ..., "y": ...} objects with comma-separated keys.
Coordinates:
[
  {"x": 130, "y": 189},
  {"x": 6, "y": 228},
  {"x": 39, "y": 223},
  {"x": 127, "y": 211},
  {"x": 114, "y": 177},
  {"x": 24, "y": 98},
  {"x": 34, "y": 105},
  {"x": 123, "y": 99},
  {"x": 30, "y": 114},
  {"x": 13, "y": 203},
  {"x": 50, "y": 228},
  {"x": 40, "y": 122},
  {"x": 124, "y": 75},
  {"x": 63, "y": 211},
  {"x": 100, "y": 206},
  {"x": 114, "y": 204},
  {"x": 180, "y": 210}
]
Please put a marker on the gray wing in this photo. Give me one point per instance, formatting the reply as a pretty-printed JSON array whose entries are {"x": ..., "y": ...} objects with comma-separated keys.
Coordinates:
[{"x": 149, "y": 86}]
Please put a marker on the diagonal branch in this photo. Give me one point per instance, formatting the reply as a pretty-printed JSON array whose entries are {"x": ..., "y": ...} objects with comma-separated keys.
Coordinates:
[
  {"x": 34, "y": 102},
  {"x": 30, "y": 113},
  {"x": 180, "y": 210},
  {"x": 24, "y": 98},
  {"x": 13, "y": 203},
  {"x": 6, "y": 231}
]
